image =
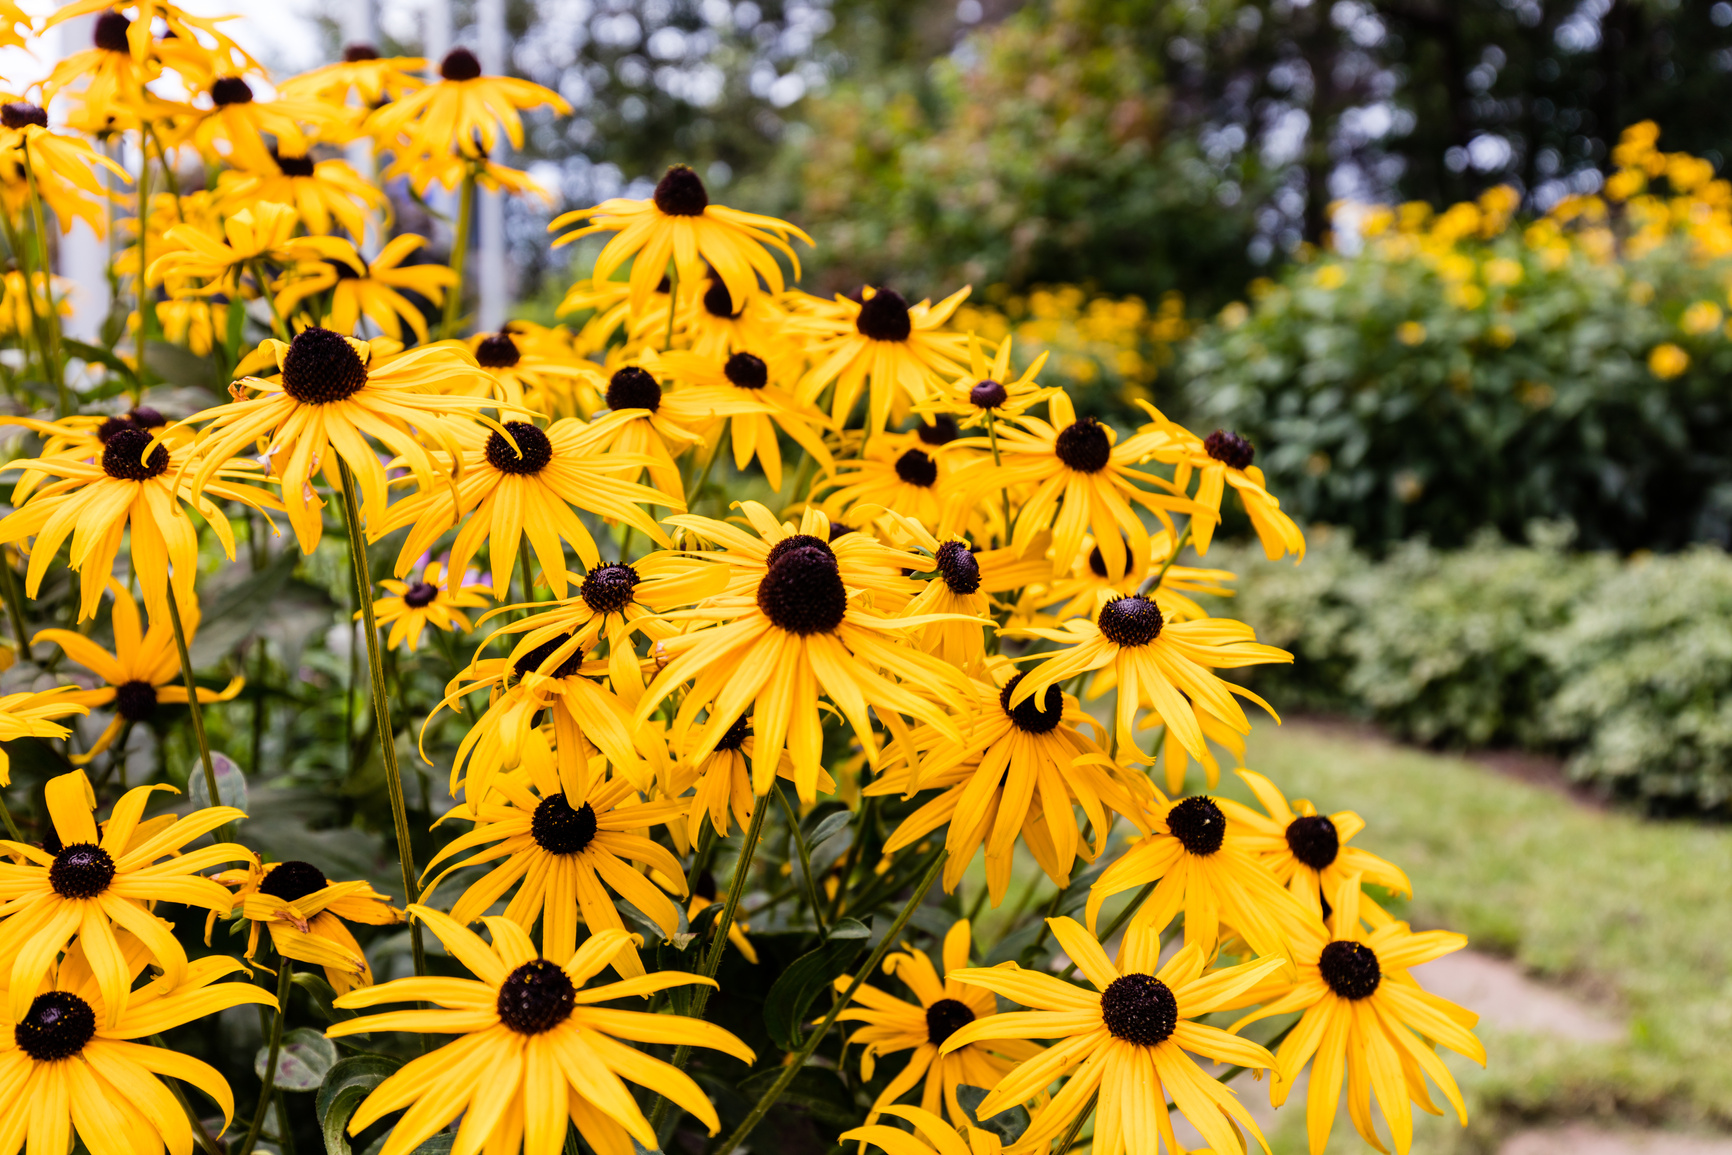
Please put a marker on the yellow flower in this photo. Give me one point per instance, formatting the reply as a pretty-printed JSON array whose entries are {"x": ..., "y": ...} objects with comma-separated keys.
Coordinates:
[
  {"x": 988, "y": 389},
  {"x": 932, "y": 1136},
  {"x": 744, "y": 389},
  {"x": 31, "y": 714},
  {"x": 374, "y": 290},
  {"x": 1668, "y": 361},
  {"x": 534, "y": 1047},
  {"x": 241, "y": 122},
  {"x": 1410, "y": 333},
  {"x": 322, "y": 192},
  {"x": 721, "y": 787},
  {"x": 410, "y": 609},
  {"x": 897, "y": 471},
  {"x": 265, "y": 231},
  {"x": 461, "y": 113},
  {"x": 63, "y": 167},
  {"x": 139, "y": 670},
  {"x": 362, "y": 72},
  {"x": 540, "y": 369},
  {"x": 884, "y": 345},
  {"x": 1223, "y": 459},
  {"x": 305, "y": 913}
]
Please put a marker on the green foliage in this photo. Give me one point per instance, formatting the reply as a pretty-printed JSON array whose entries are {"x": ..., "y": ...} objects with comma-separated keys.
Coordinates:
[{"x": 1625, "y": 667}]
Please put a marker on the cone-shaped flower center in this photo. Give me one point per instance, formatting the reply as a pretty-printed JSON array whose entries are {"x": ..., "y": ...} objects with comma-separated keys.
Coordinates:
[
  {"x": 460, "y": 64},
  {"x": 944, "y": 1018},
  {"x": 803, "y": 592},
  {"x": 355, "y": 53},
  {"x": 497, "y": 351},
  {"x": 295, "y": 166},
  {"x": 110, "y": 34},
  {"x": 321, "y": 367},
  {"x": 135, "y": 700},
  {"x": 19, "y": 113},
  {"x": 1229, "y": 449},
  {"x": 1139, "y": 1009},
  {"x": 988, "y": 395},
  {"x": 227, "y": 90},
  {"x": 293, "y": 880},
  {"x": 747, "y": 370},
  {"x": 1314, "y": 840},
  {"x": 916, "y": 468},
  {"x": 632, "y": 388},
  {"x": 1351, "y": 969},
  {"x": 1198, "y": 824},
  {"x": 537, "y": 449},
  {"x": 1134, "y": 620},
  {"x": 1038, "y": 714},
  {"x": 958, "y": 567},
  {"x": 420, "y": 595},
  {"x": 885, "y": 317},
  {"x": 718, "y": 302},
  {"x": 1084, "y": 446},
  {"x": 796, "y": 541},
  {"x": 123, "y": 457},
  {"x": 535, "y": 998},
  {"x": 558, "y": 829},
  {"x": 81, "y": 870},
  {"x": 607, "y": 589},
  {"x": 57, "y": 1026},
  {"x": 942, "y": 430},
  {"x": 681, "y": 193}
]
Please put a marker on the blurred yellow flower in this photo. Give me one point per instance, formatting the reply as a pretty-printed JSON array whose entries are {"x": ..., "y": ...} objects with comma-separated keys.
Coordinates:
[{"x": 1668, "y": 361}]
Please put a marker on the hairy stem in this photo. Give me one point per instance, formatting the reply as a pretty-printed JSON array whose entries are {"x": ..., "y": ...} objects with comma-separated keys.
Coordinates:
[
  {"x": 284, "y": 977},
  {"x": 805, "y": 854},
  {"x": 192, "y": 704},
  {"x": 459, "y": 254}
]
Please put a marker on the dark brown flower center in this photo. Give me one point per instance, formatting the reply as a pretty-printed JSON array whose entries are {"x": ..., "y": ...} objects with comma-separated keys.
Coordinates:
[
  {"x": 147, "y": 418},
  {"x": 988, "y": 395},
  {"x": 81, "y": 870},
  {"x": 736, "y": 736},
  {"x": 1199, "y": 825},
  {"x": 1134, "y": 620},
  {"x": 803, "y": 592},
  {"x": 942, "y": 430},
  {"x": 1084, "y": 445},
  {"x": 57, "y": 1026},
  {"x": 355, "y": 53},
  {"x": 944, "y": 1018},
  {"x": 123, "y": 457},
  {"x": 885, "y": 317},
  {"x": 293, "y": 165},
  {"x": 19, "y": 113},
  {"x": 608, "y": 589},
  {"x": 110, "y": 34},
  {"x": 293, "y": 880},
  {"x": 747, "y": 370},
  {"x": 718, "y": 302},
  {"x": 537, "y": 450},
  {"x": 633, "y": 388},
  {"x": 1139, "y": 1009},
  {"x": 958, "y": 567},
  {"x": 1314, "y": 840},
  {"x": 460, "y": 64},
  {"x": 796, "y": 541},
  {"x": 1036, "y": 714},
  {"x": 558, "y": 829},
  {"x": 1229, "y": 449},
  {"x": 321, "y": 367},
  {"x": 135, "y": 700},
  {"x": 535, "y": 998},
  {"x": 497, "y": 351},
  {"x": 681, "y": 193},
  {"x": 916, "y": 468},
  {"x": 227, "y": 90},
  {"x": 420, "y": 595},
  {"x": 1351, "y": 969}
]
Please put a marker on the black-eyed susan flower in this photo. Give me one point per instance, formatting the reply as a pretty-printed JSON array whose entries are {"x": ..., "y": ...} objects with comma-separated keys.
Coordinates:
[
  {"x": 883, "y": 345},
  {"x": 333, "y": 393},
  {"x": 410, "y": 607},
  {"x": 215, "y": 258},
  {"x": 1017, "y": 770},
  {"x": 721, "y": 783},
  {"x": 462, "y": 112},
  {"x": 799, "y": 631},
  {"x": 323, "y": 192},
  {"x": 712, "y": 324},
  {"x": 1221, "y": 460},
  {"x": 743, "y": 388},
  {"x": 504, "y": 492},
  {"x": 1164, "y": 666},
  {"x": 32, "y": 714},
  {"x": 70, "y": 1068},
  {"x": 1076, "y": 592},
  {"x": 1367, "y": 1018},
  {"x": 139, "y": 671},
  {"x": 650, "y": 422},
  {"x": 679, "y": 223},
  {"x": 1308, "y": 852},
  {"x": 897, "y": 471},
  {"x": 306, "y": 913},
  {"x": 534, "y": 1048},
  {"x": 931, "y": 1136},
  {"x": 989, "y": 391},
  {"x": 135, "y": 483},
  {"x": 540, "y": 369},
  {"x": 95, "y": 883},
  {"x": 1208, "y": 873},
  {"x": 235, "y": 125},
  {"x": 375, "y": 290},
  {"x": 105, "y": 83},
  {"x": 1126, "y": 1040},
  {"x": 942, "y": 1007},
  {"x": 566, "y": 841},
  {"x": 63, "y": 168},
  {"x": 362, "y": 73}
]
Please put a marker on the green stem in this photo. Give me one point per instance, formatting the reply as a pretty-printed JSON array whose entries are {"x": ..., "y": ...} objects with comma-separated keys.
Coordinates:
[
  {"x": 146, "y": 308},
  {"x": 15, "y": 608},
  {"x": 673, "y": 302},
  {"x": 459, "y": 254},
  {"x": 278, "y": 325},
  {"x": 382, "y": 708},
  {"x": 19, "y": 256},
  {"x": 997, "y": 463},
  {"x": 205, "y": 1142},
  {"x": 704, "y": 477},
  {"x": 6, "y": 817},
  {"x": 192, "y": 704},
  {"x": 792, "y": 1067},
  {"x": 1045, "y": 925},
  {"x": 1154, "y": 583},
  {"x": 805, "y": 856},
  {"x": 1124, "y": 916},
  {"x": 270, "y": 1084},
  {"x": 523, "y": 559},
  {"x": 1076, "y": 1126},
  {"x": 57, "y": 371},
  {"x": 845, "y": 875}
]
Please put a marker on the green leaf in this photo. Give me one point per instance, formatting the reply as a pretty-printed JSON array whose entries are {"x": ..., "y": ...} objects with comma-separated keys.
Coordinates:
[
  {"x": 793, "y": 993},
  {"x": 97, "y": 355},
  {"x": 1010, "y": 1123},
  {"x": 816, "y": 1090},
  {"x": 303, "y": 1061},
  {"x": 346, "y": 1084},
  {"x": 321, "y": 994},
  {"x": 179, "y": 366}
]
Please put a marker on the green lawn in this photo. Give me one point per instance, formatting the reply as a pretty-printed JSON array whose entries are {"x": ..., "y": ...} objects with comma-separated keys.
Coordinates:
[{"x": 1629, "y": 914}]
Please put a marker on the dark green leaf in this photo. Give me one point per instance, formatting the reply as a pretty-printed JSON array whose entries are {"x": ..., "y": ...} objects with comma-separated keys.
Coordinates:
[
  {"x": 180, "y": 366},
  {"x": 1009, "y": 1123},
  {"x": 97, "y": 355},
  {"x": 816, "y": 1090},
  {"x": 793, "y": 993},
  {"x": 303, "y": 1061},
  {"x": 346, "y": 1084}
]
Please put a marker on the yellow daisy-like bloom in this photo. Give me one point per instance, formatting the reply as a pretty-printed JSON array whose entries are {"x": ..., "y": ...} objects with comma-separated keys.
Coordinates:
[
  {"x": 1223, "y": 459},
  {"x": 18, "y": 305},
  {"x": 564, "y": 838},
  {"x": 932, "y": 1136},
  {"x": 1083, "y": 482},
  {"x": 741, "y": 388},
  {"x": 94, "y": 883},
  {"x": 106, "y": 82},
  {"x": 721, "y": 784},
  {"x": 322, "y": 191},
  {"x": 139, "y": 670},
  {"x": 1127, "y": 1040},
  {"x": 653, "y": 424},
  {"x": 241, "y": 122},
  {"x": 1019, "y": 769},
  {"x": 1308, "y": 851},
  {"x": 374, "y": 290},
  {"x": 306, "y": 913},
  {"x": 412, "y": 607},
  {"x": 448, "y": 170},
  {"x": 1164, "y": 666},
  {"x": 1088, "y": 580},
  {"x": 539, "y": 368},
  {"x": 31, "y": 714},
  {"x": 1367, "y": 1018},
  {"x": 990, "y": 389},
  {"x": 263, "y": 231},
  {"x": 70, "y": 1068},
  {"x": 801, "y": 629},
  {"x": 198, "y": 324},
  {"x": 679, "y": 223},
  {"x": 362, "y": 73},
  {"x": 712, "y": 325},
  {"x": 333, "y": 392},
  {"x": 534, "y": 1048},
  {"x": 897, "y": 471},
  {"x": 101, "y": 494},
  {"x": 609, "y": 306},
  {"x": 944, "y": 1007},
  {"x": 885, "y": 344},
  {"x": 1207, "y": 870},
  {"x": 461, "y": 113},
  {"x": 63, "y": 167},
  {"x": 504, "y": 492}
]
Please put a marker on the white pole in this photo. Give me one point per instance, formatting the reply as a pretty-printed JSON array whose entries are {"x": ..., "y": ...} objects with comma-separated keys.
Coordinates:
[
  {"x": 490, "y": 20},
  {"x": 360, "y": 27},
  {"x": 83, "y": 256}
]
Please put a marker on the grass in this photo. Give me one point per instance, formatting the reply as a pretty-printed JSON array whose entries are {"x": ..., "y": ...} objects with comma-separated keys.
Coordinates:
[{"x": 1630, "y": 915}]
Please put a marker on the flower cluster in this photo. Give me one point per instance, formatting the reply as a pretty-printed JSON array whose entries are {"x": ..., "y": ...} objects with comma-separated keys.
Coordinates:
[{"x": 931, "y": 571}]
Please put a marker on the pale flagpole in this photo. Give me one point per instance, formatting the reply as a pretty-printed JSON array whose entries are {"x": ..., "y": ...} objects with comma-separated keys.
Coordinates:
[
  {"x": 83, "y": 255},
  {"x": 490, "y": 22},
  {"x": 435, "y": 43},
  {"x": 361, "y": 27}
]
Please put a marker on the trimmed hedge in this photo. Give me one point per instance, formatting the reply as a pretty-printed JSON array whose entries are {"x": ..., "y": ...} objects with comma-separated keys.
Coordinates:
[{"x": 1623, "y": 667}]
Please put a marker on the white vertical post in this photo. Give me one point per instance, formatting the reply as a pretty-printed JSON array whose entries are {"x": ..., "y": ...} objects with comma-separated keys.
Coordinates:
[
  {"x": 360, "y": 27},
  {"x": 490, "y": 21},
  {"x": 83, "y": 256}
]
